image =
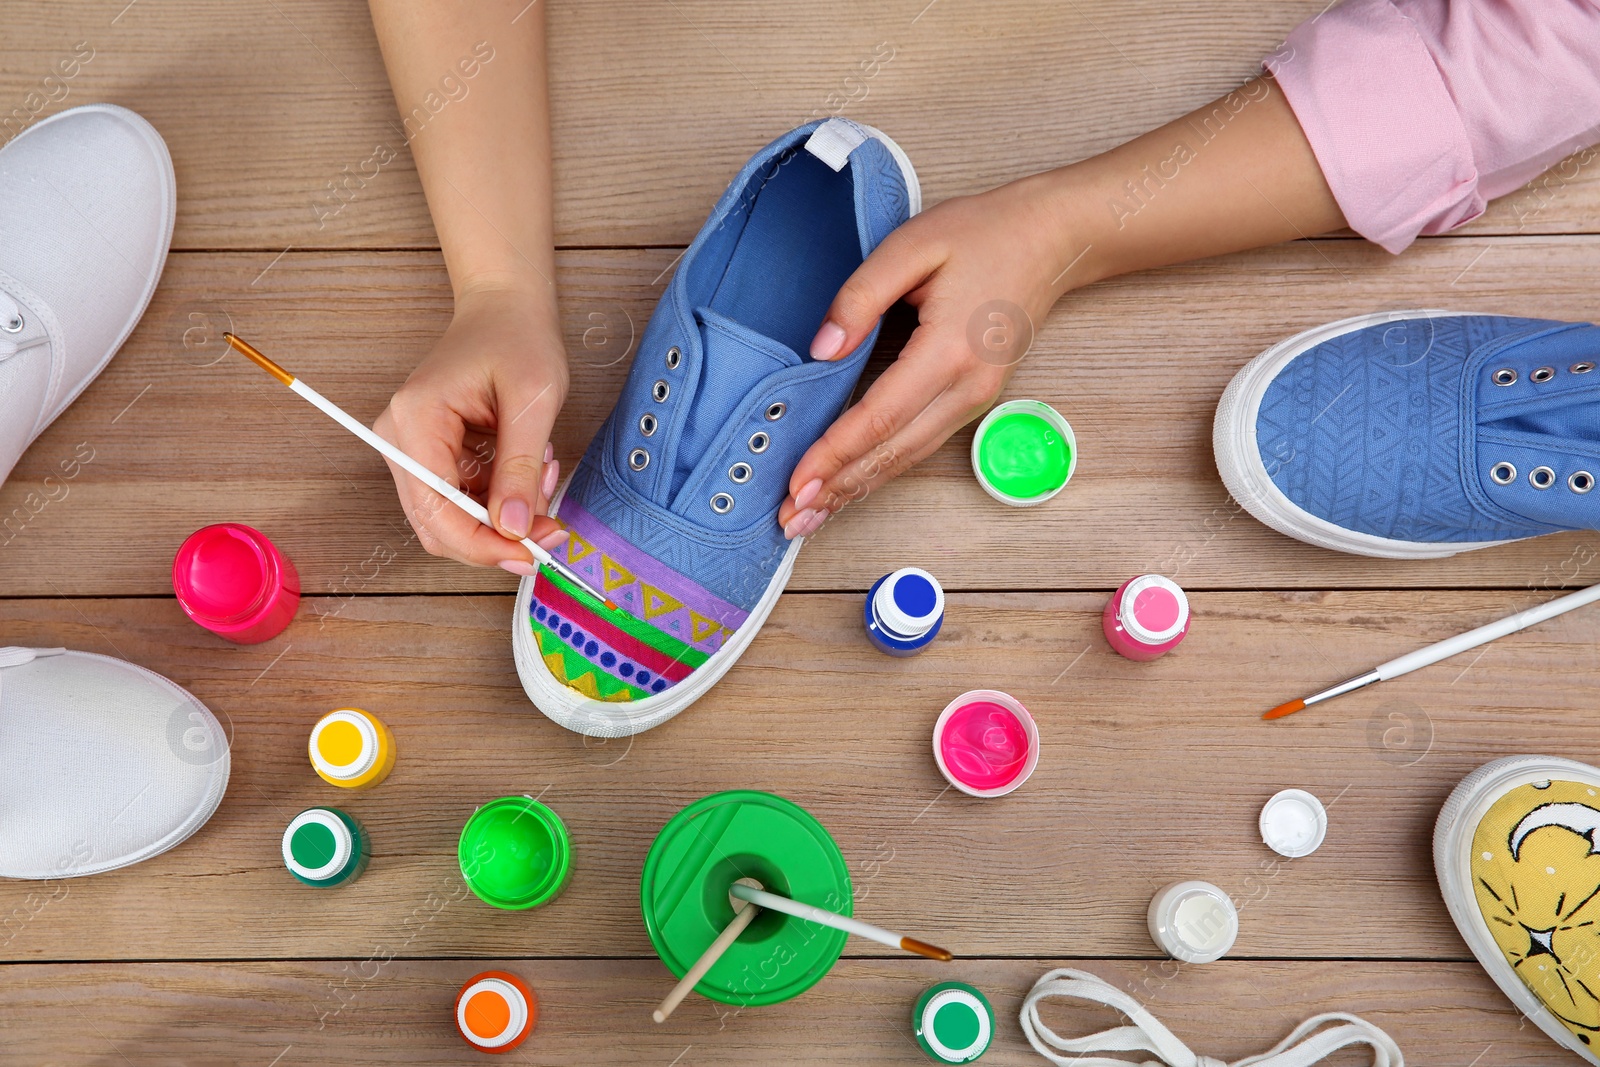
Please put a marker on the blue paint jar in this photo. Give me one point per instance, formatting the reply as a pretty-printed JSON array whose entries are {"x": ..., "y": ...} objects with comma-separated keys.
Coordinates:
[{"x": 904, "y": 611}]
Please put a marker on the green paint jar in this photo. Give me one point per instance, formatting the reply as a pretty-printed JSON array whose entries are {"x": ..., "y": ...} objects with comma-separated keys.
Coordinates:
[
  {"x": 703, "y": 850},
  {"x": 325, "y": 847},
  {"x": 1024, "y": 452},
  {"x": 515, "y": 853},
  {"x": 953, "y": 1023}
]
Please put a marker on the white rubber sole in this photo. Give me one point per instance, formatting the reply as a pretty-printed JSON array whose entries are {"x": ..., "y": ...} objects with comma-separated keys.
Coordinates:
[
  {"x": 1244, "y": 472},
  {"x": 1452, "y": 863},
  {"x": 599, "y": 718}
]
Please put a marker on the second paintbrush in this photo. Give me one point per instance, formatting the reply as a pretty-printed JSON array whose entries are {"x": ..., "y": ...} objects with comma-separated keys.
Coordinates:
[
  {"x": 411, "y": 466},
  {"x": 824, "y": 917}
]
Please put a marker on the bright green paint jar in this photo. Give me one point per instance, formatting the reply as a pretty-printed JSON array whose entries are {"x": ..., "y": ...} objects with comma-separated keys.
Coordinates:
[
  {"x": 515, "y": 853},
  {"x": 702, "y": 851},
  {"x": 1024, "y": 452}
]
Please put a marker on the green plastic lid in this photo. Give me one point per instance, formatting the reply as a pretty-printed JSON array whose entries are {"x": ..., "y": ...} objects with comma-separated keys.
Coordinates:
[
  {"x": 1024, "y": 452},
  {"x": 324, "y": 847},
  {"x": 684, "y": 895},
  {"x": 953, "y": 1023},
  {"x": 515, "y": 853}
]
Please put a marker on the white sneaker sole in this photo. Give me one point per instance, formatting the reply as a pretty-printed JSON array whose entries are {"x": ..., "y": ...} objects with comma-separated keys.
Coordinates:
[
  {"x": 599, "y": 718},
  {"x": 1452, "y": 863},
  {"x": 1244, "y": 472}
]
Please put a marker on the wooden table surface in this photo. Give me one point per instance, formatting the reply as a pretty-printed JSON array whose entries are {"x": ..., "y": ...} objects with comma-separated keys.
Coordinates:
[{"x": 211, "y": 954}]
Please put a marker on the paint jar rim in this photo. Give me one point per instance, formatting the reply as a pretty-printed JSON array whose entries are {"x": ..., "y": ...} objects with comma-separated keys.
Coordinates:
[
  {"x": 1128, "y": 617},
  {"x": 1011, "y": 704},
  {"x": 184, "y": 583},
  {"x": 1030, "y": 407},
  {"x": 365, "y": 760},
  {"x": 1293, "y": 802},
  {"x": 1162, "y": 919},
  {"x": 556, "y": 873}
]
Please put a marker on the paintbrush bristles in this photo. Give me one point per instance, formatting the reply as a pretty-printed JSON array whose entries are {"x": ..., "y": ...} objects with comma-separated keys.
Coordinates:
[
  {"x": 922, "y": 948},
  {"x": 250, "y": 352},
  {"x": 1285, "y": 709}
]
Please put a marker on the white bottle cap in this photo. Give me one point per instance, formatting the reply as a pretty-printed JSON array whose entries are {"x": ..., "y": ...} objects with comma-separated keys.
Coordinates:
[
  {"x": 1193, "y": 922},
  {"x": 343, "y": 843},
  {"x": 909, "y": 602},
  {"x": 364, "y": 756},
  {"x": 517, "y": 1011},
  {"x": 1293, "y": 823},
  {"x": 1163, "y": 614}
]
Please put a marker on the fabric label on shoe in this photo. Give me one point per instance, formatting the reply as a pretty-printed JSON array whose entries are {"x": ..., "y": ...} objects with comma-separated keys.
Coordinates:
[{"x": 834, "y": 140}]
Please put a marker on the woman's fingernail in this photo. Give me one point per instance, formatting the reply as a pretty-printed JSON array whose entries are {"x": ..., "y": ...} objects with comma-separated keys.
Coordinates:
[
  {"x": 515, "y": 518},
  {"x": 797, "y": 523},
  {"x": 516, "y": 566},
  {"x": 552, "y": 474},
  {"x": 807, "y": 493},
  {"x": 549, "y": 451},
  {"x": 828, "y": 341},
  {"x": 552, "y": 540},
  {"x": 815, "y": 524}
]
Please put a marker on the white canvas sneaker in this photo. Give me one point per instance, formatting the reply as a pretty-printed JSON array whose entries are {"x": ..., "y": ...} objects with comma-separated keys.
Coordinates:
[
  {"x": 87, "y": 201},
  {"x": 1519, "y": 869},
  {"x": 102, "y": 764}
]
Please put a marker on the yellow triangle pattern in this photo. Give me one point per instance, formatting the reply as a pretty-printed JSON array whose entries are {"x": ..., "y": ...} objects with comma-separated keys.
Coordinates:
[
  {"x": 657, "y": 602},
  {"x": 701, "y": 627},
  {"x": 615, "y": 573},
  {"x": 577, "y": 548}
]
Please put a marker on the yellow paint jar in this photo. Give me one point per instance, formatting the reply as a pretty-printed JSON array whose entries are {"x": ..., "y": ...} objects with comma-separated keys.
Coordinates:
[{"x": 351, "y": 749}]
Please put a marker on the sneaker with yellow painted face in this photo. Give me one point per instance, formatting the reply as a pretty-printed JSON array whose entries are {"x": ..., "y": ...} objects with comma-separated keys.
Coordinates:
[{"x": 1518, "y": 865}]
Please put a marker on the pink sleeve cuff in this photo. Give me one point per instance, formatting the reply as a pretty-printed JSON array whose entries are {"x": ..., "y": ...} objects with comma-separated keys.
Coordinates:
[{"x": 1382, "y": 123}]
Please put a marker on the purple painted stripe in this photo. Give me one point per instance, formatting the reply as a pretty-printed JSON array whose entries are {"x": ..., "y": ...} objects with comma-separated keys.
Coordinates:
[{"x": 648, "y": 569}]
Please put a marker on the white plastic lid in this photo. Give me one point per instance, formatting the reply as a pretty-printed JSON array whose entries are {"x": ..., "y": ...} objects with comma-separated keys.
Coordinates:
[
  {"x": 343, "y": 843},
  {"x": 1193, "y": 922},
  {"x": 1293, "y": 823},
  {"x": 514, "y": 1001},
  {"x": 1162, "y": 614},
  {"x": 930, "y": 1033},
  {"x": 909, "y": 602},
  {"x": 365, "y": 758}
]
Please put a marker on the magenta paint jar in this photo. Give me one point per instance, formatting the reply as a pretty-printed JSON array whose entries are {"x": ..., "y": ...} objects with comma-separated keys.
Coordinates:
[
  {"x": 1147, "y": 617},
  {"x": 233, "y": 581},
  {"x": 985, "y": 743}
]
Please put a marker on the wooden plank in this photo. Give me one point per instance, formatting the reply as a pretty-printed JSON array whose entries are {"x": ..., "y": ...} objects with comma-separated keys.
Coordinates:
[
  {"x": 285, "y": 133},
  {"x": 1149, "y": 773},
  {"x": 369, "y": 1011},
  {"x": 1137, "y": 365}
]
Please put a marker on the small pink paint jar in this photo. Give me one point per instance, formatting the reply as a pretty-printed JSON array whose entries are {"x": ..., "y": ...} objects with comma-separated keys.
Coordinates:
[
  {"x": 985, "y": 743},
  {"x": 233, "y": 581},
  {"x": 1147, "y": 617}
]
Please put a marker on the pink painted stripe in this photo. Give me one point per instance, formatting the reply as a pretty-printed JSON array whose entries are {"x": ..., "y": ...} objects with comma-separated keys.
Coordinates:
[{"x": 647, "y": 568}]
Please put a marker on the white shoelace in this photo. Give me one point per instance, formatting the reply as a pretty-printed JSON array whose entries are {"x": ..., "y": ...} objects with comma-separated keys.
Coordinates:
[{"x": 1307, "y": 1044}]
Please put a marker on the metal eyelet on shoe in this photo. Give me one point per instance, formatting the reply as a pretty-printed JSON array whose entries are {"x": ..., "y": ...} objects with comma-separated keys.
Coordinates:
[
  {"x": 1541, "y": 477},
  {"x": 661, "y": 390},
  {"x": 759, "y": 442},
  {"x": 647, "y": 424},
  {"x": 1543, "y": 374},
  {"x": 1580, "y": 482},
  {"x": 1504, "y": 376},
  {"x": 1503, "y": 473},
  {"x": 13, "y": 325},
  {"x": 1583, "y": 367},
  {"x": 740, "y": 473},
  {"x": 775, "y": 410},
  {"x": 722, "y": 503},
  {"x": 638, "y": 459},
  {"x": 674, "y": 357}
]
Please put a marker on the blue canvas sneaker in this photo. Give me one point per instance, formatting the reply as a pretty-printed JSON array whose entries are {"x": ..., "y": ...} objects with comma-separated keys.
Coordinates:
[
  {"x": 672, "y": 511},
  {"x": 1417, "y": 434}
]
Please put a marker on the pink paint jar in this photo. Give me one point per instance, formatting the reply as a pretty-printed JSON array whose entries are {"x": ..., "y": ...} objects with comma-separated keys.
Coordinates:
[
  {"x": 233, "y": 581},
  {"x": 1147, "y": 617},
  {"x": 985, "y": 743}
]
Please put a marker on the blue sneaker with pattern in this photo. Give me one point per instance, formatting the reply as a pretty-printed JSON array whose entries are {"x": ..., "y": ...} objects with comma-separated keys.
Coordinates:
[
  {"x": 1417, "y": 434},
  {"x": 672, "y": 511}
]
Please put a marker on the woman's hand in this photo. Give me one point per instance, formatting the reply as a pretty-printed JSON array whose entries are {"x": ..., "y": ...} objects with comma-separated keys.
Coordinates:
[
  {"x": 477, "y": 411},
  {"x": 982, "y": 272}
]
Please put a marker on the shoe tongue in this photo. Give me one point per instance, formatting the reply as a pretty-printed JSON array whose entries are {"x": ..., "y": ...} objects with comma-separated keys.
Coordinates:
[{"x": 735, "y": 360}]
